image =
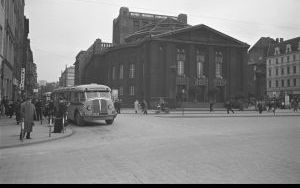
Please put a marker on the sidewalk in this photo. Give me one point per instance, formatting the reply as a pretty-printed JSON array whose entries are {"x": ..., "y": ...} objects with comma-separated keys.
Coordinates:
[{"x": 10, "y": 134}]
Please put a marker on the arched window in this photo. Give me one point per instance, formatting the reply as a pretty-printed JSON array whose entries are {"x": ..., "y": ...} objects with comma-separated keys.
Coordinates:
[
  {"x": 277, "y": 51},
  {"x": 180, "y": 61},
  {"x": 200, "y": 59},
  {"x": 219, "y": 65},
  {"x": 288, "y": 48}
]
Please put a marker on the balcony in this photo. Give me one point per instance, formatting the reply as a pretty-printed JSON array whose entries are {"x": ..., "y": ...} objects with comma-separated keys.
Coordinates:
[
  {"x": 220, "y": 82},
  {"x": 182, "y": 80},
  {"x": 201, "y": 81}
]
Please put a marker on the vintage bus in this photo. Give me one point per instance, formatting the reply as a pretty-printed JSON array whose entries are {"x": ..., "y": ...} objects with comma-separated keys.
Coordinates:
[{"x": 87, "y": 103}]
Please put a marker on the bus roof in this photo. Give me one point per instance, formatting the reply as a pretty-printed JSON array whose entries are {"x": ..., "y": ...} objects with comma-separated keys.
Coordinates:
[{"x": 90, "y": 87}]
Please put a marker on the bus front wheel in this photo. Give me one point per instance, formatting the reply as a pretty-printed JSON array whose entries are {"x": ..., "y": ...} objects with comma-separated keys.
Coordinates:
[
  {"x": 79, "y": 120},
  {"x": 109, "y": 122}
]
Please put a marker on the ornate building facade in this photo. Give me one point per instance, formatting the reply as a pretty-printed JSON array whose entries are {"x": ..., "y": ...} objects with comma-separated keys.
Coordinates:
[
  {"x": 173, "y": 60},
  {"x": 283, "y": 69}
]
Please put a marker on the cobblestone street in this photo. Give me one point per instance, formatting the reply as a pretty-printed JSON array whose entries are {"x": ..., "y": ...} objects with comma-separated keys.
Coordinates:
[{"x": 162, "y": 149}]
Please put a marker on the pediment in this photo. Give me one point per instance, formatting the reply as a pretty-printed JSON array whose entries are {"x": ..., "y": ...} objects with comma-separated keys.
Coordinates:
[{"x": 203, "y": 34}]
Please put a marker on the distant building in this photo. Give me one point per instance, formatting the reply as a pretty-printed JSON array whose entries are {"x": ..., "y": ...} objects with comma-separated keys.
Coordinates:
[
  {"x": 67, "y": 78},
  {"x": 257, "y": 67},
  {"x": 283, "y": 69},
  {"x": 129, "y": 22},
  {"x": 84, "y": 57}
]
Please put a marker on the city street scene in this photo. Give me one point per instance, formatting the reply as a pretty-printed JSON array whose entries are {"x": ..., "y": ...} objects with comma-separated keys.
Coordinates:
[{"x": 149, "y": 92}]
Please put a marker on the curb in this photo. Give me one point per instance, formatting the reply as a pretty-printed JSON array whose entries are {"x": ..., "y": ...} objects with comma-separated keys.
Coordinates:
[
  {"x": 38, "y": 142},
  {"x": 231, "y": 116}
]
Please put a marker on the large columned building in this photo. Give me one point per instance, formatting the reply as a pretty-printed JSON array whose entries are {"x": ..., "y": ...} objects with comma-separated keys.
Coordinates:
[{"x": 176, "y": 61}]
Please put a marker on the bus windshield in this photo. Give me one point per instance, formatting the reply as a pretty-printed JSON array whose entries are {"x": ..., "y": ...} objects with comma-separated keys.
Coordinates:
[{"x": 98, "y": 94}]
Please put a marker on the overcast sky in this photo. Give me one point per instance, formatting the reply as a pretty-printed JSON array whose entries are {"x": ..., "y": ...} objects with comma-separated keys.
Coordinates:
[{"x": 59, "y": 29}]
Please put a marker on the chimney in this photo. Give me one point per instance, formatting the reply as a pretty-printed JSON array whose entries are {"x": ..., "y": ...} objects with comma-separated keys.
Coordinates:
[
  {"x": 281, "y": 40},
  {"x": 277, "y": 40}
]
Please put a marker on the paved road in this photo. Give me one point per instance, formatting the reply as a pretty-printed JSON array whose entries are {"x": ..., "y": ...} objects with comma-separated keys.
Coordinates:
[{"x": 150, "y": 149}]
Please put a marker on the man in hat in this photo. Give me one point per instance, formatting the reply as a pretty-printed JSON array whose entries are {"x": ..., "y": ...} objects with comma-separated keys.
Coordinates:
[{"x": 27, "y": 113}]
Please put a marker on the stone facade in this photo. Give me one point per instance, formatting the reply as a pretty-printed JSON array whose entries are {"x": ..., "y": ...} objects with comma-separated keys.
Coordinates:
[
  {"x": 67, "y": 78},
  {"x": 203, "y": 62},
  {"x": 257, "y": 67},
  {"x": 283, "y": 69},
  {"x": 14, "y": 29},
  {"x": 84, "y": 57},
  {"x": 130, "y": 22}
]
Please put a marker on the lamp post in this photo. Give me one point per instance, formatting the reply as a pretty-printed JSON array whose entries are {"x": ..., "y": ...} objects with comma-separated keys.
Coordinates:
[{"x": 182, "y": 100}]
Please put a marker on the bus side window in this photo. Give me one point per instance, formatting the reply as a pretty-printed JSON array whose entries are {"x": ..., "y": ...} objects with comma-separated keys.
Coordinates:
[
  {"x": 82, "y": 97},
  {"x": 73, "y": 97}
]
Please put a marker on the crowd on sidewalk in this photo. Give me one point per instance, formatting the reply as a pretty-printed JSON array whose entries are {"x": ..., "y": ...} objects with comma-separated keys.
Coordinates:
[{"x": 28, "y": 110}]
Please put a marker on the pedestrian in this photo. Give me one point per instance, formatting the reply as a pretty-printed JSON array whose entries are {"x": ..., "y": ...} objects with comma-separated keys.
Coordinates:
[
  {"x": 136, "y": 106},
  {"x": 10, "y": 111},
  {"x": 5, "y": 104},
  {"x": 211, "y": 106},
  {"x": 17, "y": 109},
  {"x": 260, "y": 107},
  {"x": 60, "y": 115},
  {"x": 27, "y": 114},
  {"x": 2, "y": 107},
  {"x": 273, "y": 107},
  {"x": 145, "y": 107},
  {"x": 229, "y": 106},
  {"x": 117, "y": 105},
  {"x": 38, "y": 107}
]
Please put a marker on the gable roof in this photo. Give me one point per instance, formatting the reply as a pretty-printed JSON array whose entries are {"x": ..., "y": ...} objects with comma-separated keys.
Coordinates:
[{"x": 200, "y": 26}]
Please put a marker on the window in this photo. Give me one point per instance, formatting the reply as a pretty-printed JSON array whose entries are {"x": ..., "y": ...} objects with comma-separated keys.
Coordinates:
[
  {"x": 276, "y": 60},
  {"x": 282, "y": 60},
  {"x": 113, "y": 73},
  {"x": 136, "y": 25},
  {"x": 288, "y": 83},
  {"x": 276, "y": 71},
  {"x": 282, "y": 71},
  {"x": 282, "y": 83},
  {"x": 295, "y": 82},
  {"x": 121, "y": 72},
  {"x": 219, "y": 64},
  {"x": 270, "y": 62},
  {"x": 132, "y": 71},
  {"x": 180, "y": 61},
  {"x": 121, "y": 91},
  {"x": 288, "y": 58},
  {"x": 294, "y": 57},
  {"x": 270, "y": 72},
  {"x": 277, "y": 84},
  {"x": 288, "y": 48},
  {"x": 294, "y": 69},
  {"x": 288, "y": 70},
  {"x": 200, "y": 64},
  {"x": 270, "y": 84},
  {"x": 1, "y": 38},
  {"x": 132, "y": 91},
  {"x": 277, "y": 51}
]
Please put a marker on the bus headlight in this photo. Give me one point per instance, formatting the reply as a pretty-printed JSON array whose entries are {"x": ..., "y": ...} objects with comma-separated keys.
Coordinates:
[
  {"x": 110, "y": 107},
  {"x": 89, "y": 108}
]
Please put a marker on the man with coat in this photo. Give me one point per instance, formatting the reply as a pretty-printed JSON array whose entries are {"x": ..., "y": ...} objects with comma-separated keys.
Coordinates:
[{"x": 28, "y": 113}]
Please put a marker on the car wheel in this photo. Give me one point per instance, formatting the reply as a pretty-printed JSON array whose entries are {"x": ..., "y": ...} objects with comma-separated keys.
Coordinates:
[{"x": 109, "y": 122}]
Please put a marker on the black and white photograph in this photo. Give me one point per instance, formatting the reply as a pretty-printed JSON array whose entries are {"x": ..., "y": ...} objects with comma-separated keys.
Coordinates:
[{"x": 149, "y": 92}]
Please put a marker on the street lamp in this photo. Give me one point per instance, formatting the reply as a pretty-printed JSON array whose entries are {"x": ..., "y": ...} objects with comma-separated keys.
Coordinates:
[{"x": 182, "y": 100}]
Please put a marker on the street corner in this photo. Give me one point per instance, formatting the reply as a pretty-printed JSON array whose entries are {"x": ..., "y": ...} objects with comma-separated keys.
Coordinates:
[{"x": 10, "y": 135}]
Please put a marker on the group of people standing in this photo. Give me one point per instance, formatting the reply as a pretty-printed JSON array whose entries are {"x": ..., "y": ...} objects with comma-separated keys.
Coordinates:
[
  {"x": 28, "y": 110},
  {"x": 143, "y": 106}
]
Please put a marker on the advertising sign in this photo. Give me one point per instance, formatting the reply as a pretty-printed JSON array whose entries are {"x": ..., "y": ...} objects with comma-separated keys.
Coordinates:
[{"x": 22, "y": 84}]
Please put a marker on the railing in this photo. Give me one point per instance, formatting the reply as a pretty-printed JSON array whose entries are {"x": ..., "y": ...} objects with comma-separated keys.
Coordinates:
[
  {"x": 182, "y": 80},
  {"x": 219, "y": 82},
  {"x": 201, "y": 81}
]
